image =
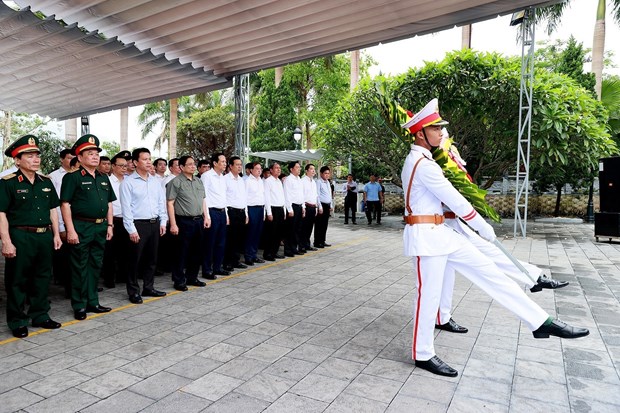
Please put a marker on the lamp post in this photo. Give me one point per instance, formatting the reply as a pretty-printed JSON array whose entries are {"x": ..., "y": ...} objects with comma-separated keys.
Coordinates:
[{"x": 297, "y": 135}]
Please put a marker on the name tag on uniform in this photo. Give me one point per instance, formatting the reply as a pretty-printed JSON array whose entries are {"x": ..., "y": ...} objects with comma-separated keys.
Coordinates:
[
  {"x": 46, "y": 189},
  {"x": 22, "y": 191},
  {"x": 87, "y": 183}
]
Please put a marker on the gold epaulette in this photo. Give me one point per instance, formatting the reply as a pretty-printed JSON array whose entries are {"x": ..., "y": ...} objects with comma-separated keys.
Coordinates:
[{"x": 9, "y": 176}]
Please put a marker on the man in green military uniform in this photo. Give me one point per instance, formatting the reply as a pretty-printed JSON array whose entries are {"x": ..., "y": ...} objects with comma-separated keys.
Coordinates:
[
  {"x": 86, "y": 199},
  {"x": 29, "y": 233}
]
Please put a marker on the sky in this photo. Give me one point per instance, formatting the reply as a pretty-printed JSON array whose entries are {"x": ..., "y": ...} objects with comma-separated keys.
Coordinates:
[{"x": 397, "y": 57}]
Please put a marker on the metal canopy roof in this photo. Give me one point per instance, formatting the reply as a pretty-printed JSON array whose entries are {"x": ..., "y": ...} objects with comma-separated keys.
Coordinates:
[{"x": 158, "y": 49}]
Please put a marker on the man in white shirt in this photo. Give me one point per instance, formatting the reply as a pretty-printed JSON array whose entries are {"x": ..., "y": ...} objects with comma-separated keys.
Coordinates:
[
  {"x": 255, "y": 191},
  {"x": 350, "y": 199},
  {"x": 215, "y": 190},
  {"x": 275, "y": 213},
  {"x": 294, "y": 202},
  {"x": 160, "y": 168},
  {"x": 324, "y": 189},
  {"x": 237, "y": 205},
  {"x": 313, "y": 207}
]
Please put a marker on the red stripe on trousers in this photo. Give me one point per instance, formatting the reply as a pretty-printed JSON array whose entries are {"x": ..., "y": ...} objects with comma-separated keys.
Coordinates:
[{"x": 417, "y": 313}]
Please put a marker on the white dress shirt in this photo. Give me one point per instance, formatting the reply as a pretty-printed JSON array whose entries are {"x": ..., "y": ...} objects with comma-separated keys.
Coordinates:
[
  {"x": 255, "y": 190},
  {"x": 293, "y": 192},
  {"x": 311, "y": 195},
  {"x": 274, "y": 194},
  {"x": 235, "y": 192},
  {"x": 215, "y": 189},
  {"x": 116, "y": 187},
  {"x": 56, "y": 178}
]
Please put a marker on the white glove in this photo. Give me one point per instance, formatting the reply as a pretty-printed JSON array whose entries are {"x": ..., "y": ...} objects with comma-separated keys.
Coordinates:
[{"x": 484, "y": 229}]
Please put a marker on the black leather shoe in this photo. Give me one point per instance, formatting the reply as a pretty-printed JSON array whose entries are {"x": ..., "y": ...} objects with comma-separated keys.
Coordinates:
[
  {"x": 289, "y": 254},
  {"x": 98, "y": 309},
  {"x": 268, "y": 258},
  {"x": 80, "y": 314},
  {"x": 209, "y": 276},
  {"x": 135, "y": 299},
  {"x": 180, "y": 287},
  {"x": 326, "y": 245},
  {"x": 436, "y": 366},
  {"x": 153, "y": 293},
  {"x": 452, "y": 327},
  {"x": 196, "y": 283},
  {"x": 222, "y": 272},
  {"x": 311, "y": 249},
  {"x": 549, "y": 283},
  {"x": 258, "y": 261},
  {"x": 280, "y": 257},
  {"x": 560, "y": 329},
  {"x": 240, "y": 265},
  {"x": 99, "y": 289},
  {"x": 48, "y": 324},
  {"x": 20, "y": 332},
  {"x": 318, "y": 246},
  {"x": 229, "y": 268},
  {"x": 300, "y": 252},
  {"x": 249, "y": 263}
]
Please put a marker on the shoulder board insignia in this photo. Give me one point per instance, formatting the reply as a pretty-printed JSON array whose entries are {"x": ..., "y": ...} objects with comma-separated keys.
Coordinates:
[{"x": 9, "y": 176}]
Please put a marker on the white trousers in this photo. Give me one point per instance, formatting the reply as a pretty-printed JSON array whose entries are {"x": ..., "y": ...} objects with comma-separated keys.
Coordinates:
[{"x": 479, "y": 269}]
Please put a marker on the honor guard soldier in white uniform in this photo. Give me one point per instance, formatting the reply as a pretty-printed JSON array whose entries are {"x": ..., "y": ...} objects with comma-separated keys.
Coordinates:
[{"x": 433, "y": 245}]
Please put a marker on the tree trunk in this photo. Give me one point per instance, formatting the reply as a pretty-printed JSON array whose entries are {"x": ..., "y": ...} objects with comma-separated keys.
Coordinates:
[
  {"x": 124, "y": 129},
  {"x": 598, "y": 47},
  {"x": 556, "y": 212},
  {"x": 172, "y": 141},
  {"x": 466, "y": 37},
  {"x": 279, "y": 73},
  {"x": 355, "y": 69}
]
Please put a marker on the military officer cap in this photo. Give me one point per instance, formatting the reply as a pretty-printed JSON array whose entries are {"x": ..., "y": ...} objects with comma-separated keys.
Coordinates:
[
  {"x": 85, "y": 142},
  {"x": 25, "y": 144},
  {"x": 428, "y": 116},
  {"x": 122, "y": 155}
]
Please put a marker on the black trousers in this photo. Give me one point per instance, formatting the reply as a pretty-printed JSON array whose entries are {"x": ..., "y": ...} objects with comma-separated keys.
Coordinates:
[
  {"x": 235, "y": 237},
  {"x": 293, "y": 230},
  {"x": 115, "y": 256},
  {"x": 188, "y": 256},
  {"x": 143, "y": 257},
  {"x": 373, "y": 210},
  {"x": 307, "y": 226},
  {"x": 215, "y": 242},
  {"x": 274, "y": 232},
  {"x": 320, "y": 225},
  {"x": 350, "y": 203}
]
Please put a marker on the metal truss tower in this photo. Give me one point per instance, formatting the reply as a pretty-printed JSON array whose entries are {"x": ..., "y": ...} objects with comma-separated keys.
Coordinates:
[
  {"x": 241, "y": 84},
  {"x": 525, "y": 122}
]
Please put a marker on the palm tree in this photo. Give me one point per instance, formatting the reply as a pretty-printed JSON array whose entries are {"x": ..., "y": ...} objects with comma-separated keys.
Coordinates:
[
  {"x": 553, "y": 15},
  {"x": 155, "y": 118}
]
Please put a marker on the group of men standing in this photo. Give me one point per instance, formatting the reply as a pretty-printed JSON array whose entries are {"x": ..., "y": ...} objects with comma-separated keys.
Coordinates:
[{"x": 98, "y": 218}]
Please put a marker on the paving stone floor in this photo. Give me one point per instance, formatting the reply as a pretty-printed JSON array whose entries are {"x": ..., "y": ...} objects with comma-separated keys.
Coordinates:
[{"x": 329, "y": 332}]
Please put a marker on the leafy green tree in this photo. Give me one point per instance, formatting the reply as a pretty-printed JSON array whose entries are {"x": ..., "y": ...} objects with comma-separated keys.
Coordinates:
[
  {"x": 14, "y": 125},
  {"x": 610, "y": 98},
  {"x": 566, "y": 57},
  {"x": 206, "y": 132},
  {"x": 51, "y": 146},
  {"x": 110, "y": 148}
]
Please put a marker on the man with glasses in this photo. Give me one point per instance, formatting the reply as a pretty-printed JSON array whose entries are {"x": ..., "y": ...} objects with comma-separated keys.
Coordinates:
[{"x": 185, "y": 203}]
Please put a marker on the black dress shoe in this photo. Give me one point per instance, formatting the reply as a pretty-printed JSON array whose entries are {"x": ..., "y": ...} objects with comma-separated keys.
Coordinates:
[
  {"x": 249, "y": 263},
  {"x": 80, "y": 314},
  {"x": 240, "y": 265},
  {"x": 288, "y": 254},
  {"x": 559, "y": 329},
  {"x": 48, "y": 324},
  {"x": 196, "y": 283},
  {"x": 549, "y": 283},
  {"x": 258, "y": 261},
  {"x": 135, "y": 299},
  {"x": 436, "y": 366},
  {"x": 326, "y": 245},
  {"x": 452, "y": 327},
  {"x": 268, "y": 258},
  {"x": 153, "y": 293},
  {"x": 311, "y": 249},
  {"x": 20, "y": 332},
  {"x": 222, "y": 272},
  {"x": 318, "y": 246},
  {"x": 98, "y": 309},
  {"x": 180, "y": 287},
  {"x": 229, "y": 267},
  {"x": 209, "y": 276},
  {"x": 99, "y": 289},
  {"x": 300, "y": 252},
  {"x": 280, "y": 257}
]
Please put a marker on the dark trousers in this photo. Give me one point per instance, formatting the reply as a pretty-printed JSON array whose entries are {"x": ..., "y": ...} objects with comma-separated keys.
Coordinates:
[
  {"x": 86, "y": 259},
  {"x": 62, "y": 269},
  {"x": 255, "y": 228},
  {"x": 115, "y": 256},
  {"x": 350, "y": 203},
  {"x": 187, "y": 257},
  {"x": 293, "y": 230},
  {"x": 143, "y": 257},
  {"x": 235, "y": 237},
  {"x": 215, "y": 242},
  {"x": 274, "y": 232},
  {"x": 307, "y": 226},
  {"x": 373, "y": 210},
  {"x": 320, "y": 225},
  {"x": 27, "y": 276}
]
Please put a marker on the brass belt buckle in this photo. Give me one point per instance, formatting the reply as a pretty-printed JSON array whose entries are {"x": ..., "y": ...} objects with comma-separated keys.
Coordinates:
[
  {"x": 41, "y": 230},
  {"x": 99, "y": 220}
]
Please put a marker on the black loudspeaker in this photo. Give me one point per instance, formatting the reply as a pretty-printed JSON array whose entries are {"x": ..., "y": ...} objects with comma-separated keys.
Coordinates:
[
  {"x": 609, "y": 184},
  {"x": 606, "y": 225}
]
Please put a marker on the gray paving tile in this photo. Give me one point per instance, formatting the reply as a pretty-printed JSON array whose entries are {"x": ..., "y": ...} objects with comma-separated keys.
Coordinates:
[
  {"x": 266, "y": 387},
  {"x": 109, "y": 383},
  {"x": 375, "y": 388},
  {"x": 310, "y": 352},
  {"x": 593, "y": 390},
  {"x": 99, "y": 365},
  {"x": 541, "y": 391},
  {"x": 212, "y": 386},
  {"x": 464, "y": 404},
  {"x": 223, "y": 352},
  {"x": 242, "y": 367},
  {"x": 348, "y": 403},
  {"x": 17, "y": 378},
  {"x": 178, "y": 402},
  {"x": 320, "y": 387},
  {"x": 494, "y": 392},
  {"x": 267, "y": 352},
  {"x": 160, "y": 385},
  {"x": 235, "y": 402},
  {"x": 429, "y": 388},
  {"x": 15, "y": 361},
  {"x": 124, "y": 401},
  {"x": 194, "y": 367},
  {"x": 290, "y": 368},
  {"x": 536, "y": 370},
  {"x": 135, "y": 351},
  {"x": 520, "y": 404},
  {"x": 71, "y": 400},
  {"x": 16, "y": 399},
  {"x": 293, "y": 403},
  {"x": 56, "y": 383},
  {"x": 403, "y": 403}
]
